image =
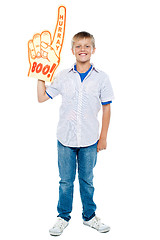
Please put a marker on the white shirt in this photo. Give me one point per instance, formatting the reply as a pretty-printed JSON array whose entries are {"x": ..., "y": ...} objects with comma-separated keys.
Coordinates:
[{"x": 81, "y": 101}]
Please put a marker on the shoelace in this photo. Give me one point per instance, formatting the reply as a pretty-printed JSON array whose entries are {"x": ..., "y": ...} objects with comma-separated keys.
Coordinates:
[
  {"x": 59, "y": 224},
  {"x": 96, "y": 222}
]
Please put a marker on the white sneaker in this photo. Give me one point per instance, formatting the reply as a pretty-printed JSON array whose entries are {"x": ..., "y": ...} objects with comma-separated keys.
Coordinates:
[
  {"x": 95, "y": 223},
  {"x": 59, "y": 226}
]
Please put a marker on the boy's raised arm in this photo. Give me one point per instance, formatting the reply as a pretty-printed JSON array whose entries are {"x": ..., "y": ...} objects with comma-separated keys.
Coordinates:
[{"x": 41, "y": 91}]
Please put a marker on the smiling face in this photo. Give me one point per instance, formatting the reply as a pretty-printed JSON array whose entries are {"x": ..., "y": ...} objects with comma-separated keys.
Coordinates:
[{"x": 83, "y": 49}]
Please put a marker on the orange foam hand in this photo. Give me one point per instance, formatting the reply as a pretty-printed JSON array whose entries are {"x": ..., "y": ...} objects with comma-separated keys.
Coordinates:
[{"x": 44, "y": 51}]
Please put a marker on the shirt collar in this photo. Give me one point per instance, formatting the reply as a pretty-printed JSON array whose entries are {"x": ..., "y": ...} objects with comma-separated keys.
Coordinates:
[{"x": 73, "y": 69}]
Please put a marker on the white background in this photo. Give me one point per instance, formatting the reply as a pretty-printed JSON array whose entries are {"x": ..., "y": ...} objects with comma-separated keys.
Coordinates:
[{"x": 127, "y": 174}]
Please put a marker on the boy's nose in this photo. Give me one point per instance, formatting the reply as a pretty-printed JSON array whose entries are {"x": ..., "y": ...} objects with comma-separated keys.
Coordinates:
[{"x": 82, "y": 48}]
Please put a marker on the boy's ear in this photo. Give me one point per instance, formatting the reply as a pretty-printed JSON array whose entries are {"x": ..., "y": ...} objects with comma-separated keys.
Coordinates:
[
  {"x": 93, "y": 51},
  {"x": 72, "y": 51}
]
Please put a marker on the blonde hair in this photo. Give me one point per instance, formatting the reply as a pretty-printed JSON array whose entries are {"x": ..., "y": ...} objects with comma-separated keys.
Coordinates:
[{"x": 81, "y": 35}]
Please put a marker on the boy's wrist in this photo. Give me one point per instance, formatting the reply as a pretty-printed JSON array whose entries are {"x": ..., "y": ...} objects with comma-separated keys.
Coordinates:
[
  {"x": 103, "y": 138},
  {"x": 41, "y": 80}
]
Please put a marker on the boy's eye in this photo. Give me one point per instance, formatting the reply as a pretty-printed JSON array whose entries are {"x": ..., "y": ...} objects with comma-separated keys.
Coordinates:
[{"x": 79, "y": 46}]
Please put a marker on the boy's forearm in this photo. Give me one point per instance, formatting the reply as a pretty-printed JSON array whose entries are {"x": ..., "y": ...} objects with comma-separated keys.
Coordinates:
[
  {"x": 41, "y": 91},
  {"x": 105, "y": 121}
]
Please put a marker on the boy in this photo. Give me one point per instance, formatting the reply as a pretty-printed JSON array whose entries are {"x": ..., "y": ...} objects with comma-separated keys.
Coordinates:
[{"x": 83, "y": 89}]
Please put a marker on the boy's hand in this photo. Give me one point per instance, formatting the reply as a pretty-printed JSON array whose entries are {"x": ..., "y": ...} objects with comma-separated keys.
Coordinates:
[
  {"x": 102, "y": 144},
  {"x": 44, "y": 52}
]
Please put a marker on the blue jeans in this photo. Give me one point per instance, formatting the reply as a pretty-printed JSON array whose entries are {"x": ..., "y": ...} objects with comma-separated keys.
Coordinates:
[{"x": 68, "y": 159}]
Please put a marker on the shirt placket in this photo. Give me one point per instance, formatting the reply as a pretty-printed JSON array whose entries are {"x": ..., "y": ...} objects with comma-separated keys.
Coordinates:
[
  {"x": 79, "y": 114},
  {"x": 79, "y": 108}
]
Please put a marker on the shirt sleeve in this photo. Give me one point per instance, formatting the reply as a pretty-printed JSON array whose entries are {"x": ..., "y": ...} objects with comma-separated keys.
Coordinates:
[
  {"x": 106, "y": 92},
  {"x": 54, "y": 88}
]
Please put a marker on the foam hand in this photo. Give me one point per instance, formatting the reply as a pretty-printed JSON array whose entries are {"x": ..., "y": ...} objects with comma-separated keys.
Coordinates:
[{"x": 44, "y": 51}]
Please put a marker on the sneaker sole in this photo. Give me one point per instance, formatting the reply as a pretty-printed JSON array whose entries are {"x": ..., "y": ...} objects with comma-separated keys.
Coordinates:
[
  {"x": 53, "y": 235},
  {"x": 101, "y": 231},
  {"x": 104, "y": 231}
]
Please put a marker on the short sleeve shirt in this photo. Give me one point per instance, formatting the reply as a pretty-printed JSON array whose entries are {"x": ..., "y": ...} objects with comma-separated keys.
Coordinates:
[{"x": 78, "y": 125}]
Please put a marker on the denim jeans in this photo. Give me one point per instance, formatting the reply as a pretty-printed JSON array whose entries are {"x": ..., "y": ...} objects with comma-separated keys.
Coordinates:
[{"x": 69, "y": 158}]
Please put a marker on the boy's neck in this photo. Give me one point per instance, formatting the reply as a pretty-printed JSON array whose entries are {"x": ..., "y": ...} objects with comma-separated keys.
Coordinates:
[{"x": 83, "y": 67}]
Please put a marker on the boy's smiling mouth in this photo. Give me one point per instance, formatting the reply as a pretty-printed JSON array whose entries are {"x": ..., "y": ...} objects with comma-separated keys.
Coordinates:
[{"x": 82, "y": 54}]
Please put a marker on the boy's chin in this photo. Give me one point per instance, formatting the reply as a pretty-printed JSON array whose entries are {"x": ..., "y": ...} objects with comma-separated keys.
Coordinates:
[{"x": 83, "y": 60}]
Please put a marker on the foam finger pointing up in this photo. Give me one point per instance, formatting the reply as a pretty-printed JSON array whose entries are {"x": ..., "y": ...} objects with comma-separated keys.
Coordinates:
[{"x": 59, "y": 30}]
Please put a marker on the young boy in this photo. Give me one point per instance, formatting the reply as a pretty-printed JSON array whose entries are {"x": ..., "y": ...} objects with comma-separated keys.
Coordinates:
[{"x": 83, "y": 88}]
